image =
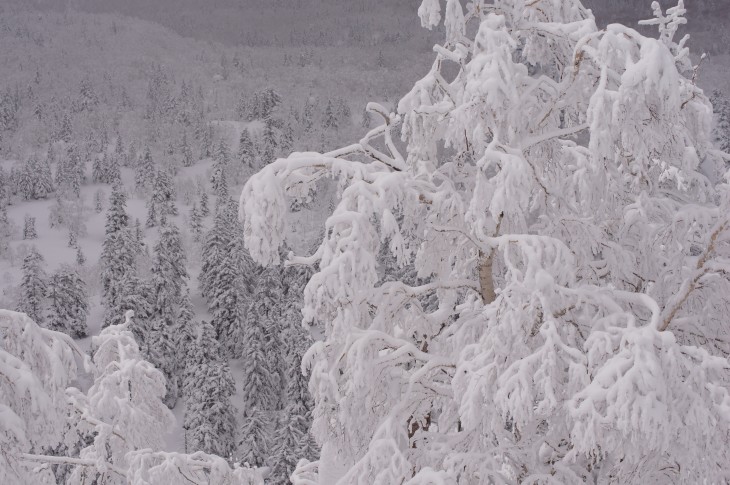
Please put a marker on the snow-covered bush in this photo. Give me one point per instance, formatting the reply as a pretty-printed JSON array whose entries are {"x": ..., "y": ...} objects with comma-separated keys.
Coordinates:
[{"x": 560, "y": 198}]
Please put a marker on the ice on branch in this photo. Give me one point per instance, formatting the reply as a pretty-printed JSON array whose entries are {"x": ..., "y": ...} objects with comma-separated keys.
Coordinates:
[{"x": 559, "y": 222}]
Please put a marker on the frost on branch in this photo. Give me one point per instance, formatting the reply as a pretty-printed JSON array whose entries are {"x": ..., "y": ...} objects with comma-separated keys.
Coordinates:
[
  {"x": 36, "y": 366},
  {"x": 571, "y": 167}
]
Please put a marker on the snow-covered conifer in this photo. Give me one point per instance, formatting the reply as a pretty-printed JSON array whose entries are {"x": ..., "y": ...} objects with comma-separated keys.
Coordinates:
[
  {"x": 119, "y": 250},
  {"x": 196, "y": 223},
  {"x": 68, "y": 305},
  {"x": 33, "y": 286},
  {"x": 145, "y": 173},
  {"x": 209, "y": 417},
  {"x": 29, "y": 231}
]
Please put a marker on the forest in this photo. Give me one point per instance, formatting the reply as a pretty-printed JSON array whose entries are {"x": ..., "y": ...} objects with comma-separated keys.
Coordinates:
[{"x": 433, "y": 242}]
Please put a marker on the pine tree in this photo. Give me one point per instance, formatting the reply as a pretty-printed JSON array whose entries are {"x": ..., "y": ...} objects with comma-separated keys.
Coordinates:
[
  {"x": 29, "y": 231},
  {"x": 366, "y": 122},
  {"x": 271, "y": 145},
  {"x": 185, "y": 337},
  {"x": 144, "y": 176},
  {"x": 65, "y": 131},
  {"x": 99, "y": 201},
  {"x": 169, "y": 282},
  {"x": 204, "y": 205},
  {"x": 97, "y": 169},
  {"x": 246, "y": 152},
  {"x": 68, "y": 303},
  {"x": 221, "y": 159},
  {"x": 255, "y": 444},
  {"x": 118, "y": 256},
  {"x": 33, "y": 286},
  {"x": 80, "y": 258},
  {"x": 151, "y": 214},
  {"x": 209, "y": 419},
  {"x": 329, "y": 120},
  {"x": 286, "y": 142},
  {"x": 72, "y": 237},
  {"x": 163, "y": 195},
  {"x": 186, "y": 152},
  {"x": 196, "y": 223},
  {"x": 70, "y": 171}
]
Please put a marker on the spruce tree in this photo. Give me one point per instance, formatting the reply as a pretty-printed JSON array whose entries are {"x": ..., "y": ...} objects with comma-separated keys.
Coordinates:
[
  {"x": 186, "y": 152},
  {"x": 99, "y": 201},
  {"x": 271, "y": 145},
  {"x": 209, "y": 419},
  {"x": 68, "y": 303},
  {"x": 204, "y": 204},
  {"x": 246, "y": 152},
  {"x": 118, "y": 256},
  {"x": 33, "y": 286},
  {"x": 144, "y": 175},
  {"x": 196, "y": 223},
  {"x": 221, "y": 159},
  {"x": 329, "y": 121},
  {"x": 168, "y": 282},
  {"x": 80, "y": 258},
  {"x": 29, "y": 231},
  {"x": 163, "y": 195}
]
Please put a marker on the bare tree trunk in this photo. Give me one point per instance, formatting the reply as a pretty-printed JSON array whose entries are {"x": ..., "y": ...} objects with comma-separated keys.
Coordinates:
[
  {"x": 486, "y": 279},
  {"x": 486, "y": 275}
]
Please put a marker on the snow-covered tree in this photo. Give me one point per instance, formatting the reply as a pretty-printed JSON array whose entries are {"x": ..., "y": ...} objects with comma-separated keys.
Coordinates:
[
  {"x": 185, "y": 152},
  {"x": 246, "y": 152},
  {"x": 169, "y": 278},
  {"x": 209, "y": 417},
  {"x": 29, "y": 231},
  {"x": 559, "y": 196},
  {"x": 221, "y": 163},
  {"x": 196, "y": 223},
  {"x": 33, "y": 286},
  {"x": 329, "y": 119},
  {"x": 118, "y": 257},
  {"x": 38, "y": 365},
  {"x": 145, "y": 172},
  {"x": 68, "y": 305},
  {"x": 124, "y": 405}
]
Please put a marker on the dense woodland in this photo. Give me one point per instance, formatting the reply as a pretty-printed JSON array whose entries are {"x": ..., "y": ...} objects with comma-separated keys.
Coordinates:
[{"x": 299, "y": 252}]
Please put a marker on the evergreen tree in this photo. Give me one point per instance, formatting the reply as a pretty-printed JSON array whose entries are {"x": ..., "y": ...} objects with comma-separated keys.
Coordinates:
[
  {"x": 186, "y": 152},
  {"x": 80, "y": 258},
  {"x": 29, "y": 231},
  {"x": 221, "y": 159},
  {"x": 255, "y": 444},
  {"x": 286, "y": 142},
  {"x": 68, "y": 303},
  {"x": 329, "y": 120},
  {"x": 118, "y": 256},
  {"x": 151, "y": 213},
  {"x": 163, "y": 195},
  {"x": 209, "y": 419},
  {"x": 246, "y": 152},
  {"x": 70, "y": 171},
  {"x": 366, "y": 121},
  {"x": 196, "y": 223},
  {"x": 144, "y": 175},
  {"x": 168, "y": 281},
  {"x": 65, "y": 131},
  {"x": 270, "y": 143},
  {"x": 99, "y": 201},
  {"x": 204, "y": 204},
  {"x": 33, "y": 286}
]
